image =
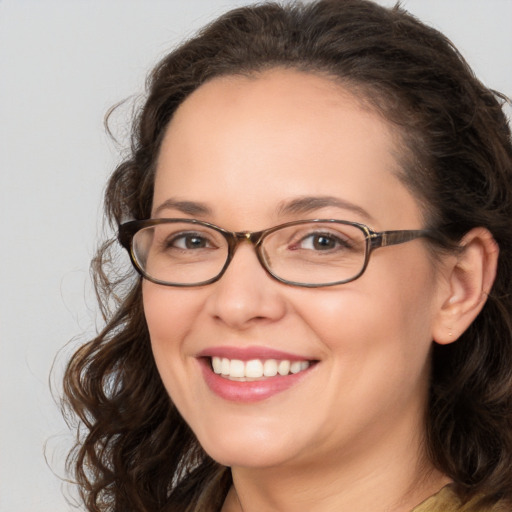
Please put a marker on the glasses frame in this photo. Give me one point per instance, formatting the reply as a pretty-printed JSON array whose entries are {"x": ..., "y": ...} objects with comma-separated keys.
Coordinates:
[{"x": 374, "y": 240}]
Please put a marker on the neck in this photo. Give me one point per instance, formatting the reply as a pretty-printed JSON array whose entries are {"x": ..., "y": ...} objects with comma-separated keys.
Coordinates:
[{"x": 392, "y": 479}]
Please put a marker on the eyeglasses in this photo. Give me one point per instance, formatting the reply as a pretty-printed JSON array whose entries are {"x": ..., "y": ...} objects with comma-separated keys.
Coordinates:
[{"x": 308, "y": 253}]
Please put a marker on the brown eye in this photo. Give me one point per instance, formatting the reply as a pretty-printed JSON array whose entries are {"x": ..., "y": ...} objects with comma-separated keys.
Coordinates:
[
  {"x": 322, "y": 242},
  {"x": 189, "y": 241}
]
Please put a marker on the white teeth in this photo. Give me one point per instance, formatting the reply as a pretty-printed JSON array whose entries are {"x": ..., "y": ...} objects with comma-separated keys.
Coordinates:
[
  {"x": 295, "y": 367},
  {"x": 236, "y": 368},
  {"x": 225, "y": 366},
  {"x": 299, "y": 366},
  {"x": 270, "y": 368},
  {"x": 284, "y": 367},
  {"x": 256, "y": 368},
  {"x": 217, "y": 365}
]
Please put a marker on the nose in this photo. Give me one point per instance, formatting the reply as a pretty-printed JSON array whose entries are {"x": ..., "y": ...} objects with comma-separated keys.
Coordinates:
[{"x": 246, "y": 295}]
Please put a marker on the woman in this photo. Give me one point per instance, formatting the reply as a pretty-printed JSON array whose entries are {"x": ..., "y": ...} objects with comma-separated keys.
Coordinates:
[{"x": 318, "y": 203}]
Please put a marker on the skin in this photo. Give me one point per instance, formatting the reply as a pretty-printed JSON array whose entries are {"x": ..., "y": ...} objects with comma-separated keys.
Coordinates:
[{"x": 350, "y": 434}]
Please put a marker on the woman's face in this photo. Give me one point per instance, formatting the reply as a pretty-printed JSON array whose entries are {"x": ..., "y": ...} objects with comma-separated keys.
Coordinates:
[{"x": 251, "y": 153}]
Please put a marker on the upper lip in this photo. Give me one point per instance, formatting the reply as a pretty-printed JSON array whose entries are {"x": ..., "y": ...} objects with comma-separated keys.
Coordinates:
[{"x": 248, "y": 353}]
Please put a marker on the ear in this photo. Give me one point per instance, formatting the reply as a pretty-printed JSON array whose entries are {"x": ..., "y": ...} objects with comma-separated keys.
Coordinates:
[{"x": 469, "y": 277}]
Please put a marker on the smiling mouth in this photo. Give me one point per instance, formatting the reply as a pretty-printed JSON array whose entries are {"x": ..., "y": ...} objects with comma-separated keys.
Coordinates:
[{"x": 256, "y": 369}]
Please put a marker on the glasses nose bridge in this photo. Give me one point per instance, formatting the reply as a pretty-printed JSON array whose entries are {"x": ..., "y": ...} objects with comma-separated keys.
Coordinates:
[
  {"x": 235, "y": 238},
  {"x": 253, "y": 237},
  {"x": 238, "y": 237}
]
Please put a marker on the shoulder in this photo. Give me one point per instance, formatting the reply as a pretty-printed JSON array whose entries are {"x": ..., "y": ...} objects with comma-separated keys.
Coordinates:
[{"x": 446, "y": 500}]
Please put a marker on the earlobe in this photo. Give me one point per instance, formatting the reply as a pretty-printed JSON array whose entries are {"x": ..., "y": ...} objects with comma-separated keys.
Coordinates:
[{"x": 469, "y": 278}]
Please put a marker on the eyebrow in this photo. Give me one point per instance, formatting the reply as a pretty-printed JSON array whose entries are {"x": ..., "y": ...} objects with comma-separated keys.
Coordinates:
[
  {"x": 308, "y": 204},
  {"x": 187, "y": 207},
  {"x": 299, "y": 206}
]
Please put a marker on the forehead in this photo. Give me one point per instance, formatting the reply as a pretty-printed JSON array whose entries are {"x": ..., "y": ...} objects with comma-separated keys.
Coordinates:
[
  {"x": 282, "y": 96},
  {"x": 275, "y": 136}
]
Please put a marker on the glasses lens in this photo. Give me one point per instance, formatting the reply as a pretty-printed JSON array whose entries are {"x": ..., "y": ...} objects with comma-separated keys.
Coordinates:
[
  {"x": 180, "y": 252},
  {"x": 316, "y": 253}
]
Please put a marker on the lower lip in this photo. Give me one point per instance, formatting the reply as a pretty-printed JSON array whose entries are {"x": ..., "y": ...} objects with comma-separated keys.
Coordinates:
[{"x": 249, "y": 391}]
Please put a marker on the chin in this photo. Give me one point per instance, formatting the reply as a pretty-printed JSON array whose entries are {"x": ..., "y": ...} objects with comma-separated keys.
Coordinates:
[
  {"x": 257, "y": 449},
  {"x": 252, "y": 458}
]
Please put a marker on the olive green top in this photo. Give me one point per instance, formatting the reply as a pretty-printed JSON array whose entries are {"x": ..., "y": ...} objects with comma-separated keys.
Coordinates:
[{"x": 447, "y": 501}]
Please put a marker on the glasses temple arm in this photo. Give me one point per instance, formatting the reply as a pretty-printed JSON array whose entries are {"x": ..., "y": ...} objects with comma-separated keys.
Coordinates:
[{"x": 385, "y": 238}]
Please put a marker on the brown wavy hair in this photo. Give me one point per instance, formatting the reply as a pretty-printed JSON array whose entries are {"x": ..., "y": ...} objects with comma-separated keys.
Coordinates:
[{"x": 134, "y": 451}]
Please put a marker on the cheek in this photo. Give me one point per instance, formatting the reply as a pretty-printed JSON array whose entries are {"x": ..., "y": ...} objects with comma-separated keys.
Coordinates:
[
  {"x": 378, "y": 336},
  {"x": 383, "y": 316},
  {"x": 169, "y": 312},
  {"x": 170, "y": 315}
]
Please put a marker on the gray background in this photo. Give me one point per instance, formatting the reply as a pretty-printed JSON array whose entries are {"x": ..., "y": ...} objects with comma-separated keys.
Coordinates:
[{"x": 62, "y": 65}]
